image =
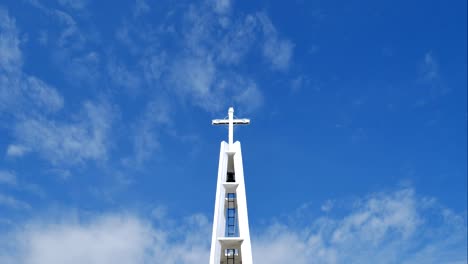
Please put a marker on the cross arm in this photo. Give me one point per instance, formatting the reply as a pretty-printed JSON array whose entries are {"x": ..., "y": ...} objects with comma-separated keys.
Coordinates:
[
  {"x": 220, "y": 122},
  {"x": 244, "y": 121}
]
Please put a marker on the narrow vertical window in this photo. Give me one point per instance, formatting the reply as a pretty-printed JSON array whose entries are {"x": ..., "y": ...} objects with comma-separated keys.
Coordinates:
[
  {"x": 231, "y": 215},
  {"x": 231, "y": 175}
]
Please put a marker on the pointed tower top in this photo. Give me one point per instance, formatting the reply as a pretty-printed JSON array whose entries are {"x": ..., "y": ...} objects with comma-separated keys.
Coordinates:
[{"x": 231, "y": 122}]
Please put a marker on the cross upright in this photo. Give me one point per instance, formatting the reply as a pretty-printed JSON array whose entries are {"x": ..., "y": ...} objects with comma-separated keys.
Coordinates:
[{"x": 231, "y": 122}]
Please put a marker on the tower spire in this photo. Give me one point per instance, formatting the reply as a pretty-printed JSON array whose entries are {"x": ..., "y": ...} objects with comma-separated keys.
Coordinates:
[{"x": 230, "y": 242}]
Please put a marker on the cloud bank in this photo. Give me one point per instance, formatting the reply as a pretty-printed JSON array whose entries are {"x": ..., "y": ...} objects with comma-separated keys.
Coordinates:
[
  {"x": 396, "y": 227},
  {"x": 390, "y": 227}
]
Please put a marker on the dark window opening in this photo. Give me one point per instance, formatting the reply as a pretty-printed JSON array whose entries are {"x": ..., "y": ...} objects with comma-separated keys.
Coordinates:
[
  {"x": 230, "y": 176},
  {"x": 231, "y": 255}
]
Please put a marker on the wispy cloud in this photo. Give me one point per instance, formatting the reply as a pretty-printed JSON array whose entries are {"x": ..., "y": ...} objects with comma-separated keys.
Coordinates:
[
  {"x": 194, "y": 78},
  {"x": 10, "y": 60},
  {"x": 140, "y": 8},
  {"x": 277, "y": 50},
  {"x": 81, "y": 70},
  {"x": 31, "y": 101},
  {"x": 7, "y": 177},
  {"x": 85, "y": 139},
  {"x": 74, "y": 4},
  {"x": 212, "y": 81},
  {"x": 68, "y": 41},
  {"x": 146, "y": 132},
  {"x": 70, "y": 36},
  {"x": 222, "y": 6},
  {"x": 10, "y": 54},
  {"x": 302, "y": 82},
  {"x": 123, "y": 77},
  {"x": 210, "y": 44},
  {"x": 10, "y": 179},
  {"x": 23, "y": 94},
  {"x": 429, "y": 68},
  {"x": 13, "y": 203},
  {"x": 250, "y": 98},
  {"x": 43, "y": 95},
  {"x": 430, "y": 80},
  {"x": 327, "y": 206},
  {"x": 238, "y": 40},
  {"x": 20, "y": 93}
]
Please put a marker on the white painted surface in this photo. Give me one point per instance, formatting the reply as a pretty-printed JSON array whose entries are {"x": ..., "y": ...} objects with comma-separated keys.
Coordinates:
[
  {"x": 218, "y": 240},
  {"x": 244, "y": 231},
  {"x": 219, "y": 218}
]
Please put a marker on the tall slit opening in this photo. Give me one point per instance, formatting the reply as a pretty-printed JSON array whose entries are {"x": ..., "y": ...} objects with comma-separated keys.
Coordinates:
[{"x": 231, "y": 174}]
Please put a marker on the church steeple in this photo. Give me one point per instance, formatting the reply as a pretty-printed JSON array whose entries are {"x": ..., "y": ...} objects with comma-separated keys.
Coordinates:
[{"x": 230, "y": 243}]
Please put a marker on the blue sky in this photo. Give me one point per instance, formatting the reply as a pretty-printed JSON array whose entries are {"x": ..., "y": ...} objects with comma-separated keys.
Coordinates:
[{"x": 356, "y": 152}]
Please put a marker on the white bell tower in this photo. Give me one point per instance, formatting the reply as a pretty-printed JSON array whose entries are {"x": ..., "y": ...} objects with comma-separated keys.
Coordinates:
[{"x": 230, "y": 242}]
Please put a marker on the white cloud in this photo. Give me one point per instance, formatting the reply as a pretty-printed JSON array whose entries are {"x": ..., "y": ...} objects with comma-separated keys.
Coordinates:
[
  {"x": 80, "y": 70},
  {"x": 276, "y": 50},
  {"x": 432, "y": 86},
  {"x": 391, "y": 227},
  {"x": 279, "y": 52},
  {"x": 205, "y": 73},
  {"x": 154, "y": 66},
  {"x": 124, "y": 34},
  {"x": 430, "y": 68},
  {"x": 31, "y": 102},
  {"x": 10, "y": 60},
  {"x": 396, "y": 227},
  {"x": 221, "y": 6},
  {"x": 74, "y": 4},
  {"x": 203, "y": 62},
  {"x": 20, "y": 92},
  {"x": 86, "y": 139},
  {"x": 140, "y": 8},
  {"x": 11, "y": 202},
  {"x": 79, "y": 64},
  {"x": 7, "y": 177},
  {"x": 111, "y": 238},
  {"x": 198, "y": 81},
  {"x": 43, "y": 95},
  {"x": 63, "y": 174},
  {"x": 106, "y": 240},
  {"x": 121, "y": 76},
  {"x": 327, "y": 206},
  {"x": 71, "y": 35},
  {"x": 193, "y": 78},
  {"x": 16, "y": 150},
  {"x": 237, "y": 41},
  {"x": 157, "y": 115},
  {"x": 10, "y": 54},
  {"x": 10, "y": 179},
  {"x": 21, "y": 95},
  {"x": 250, "y": 98},
  {"x": 303, "y": 82}
]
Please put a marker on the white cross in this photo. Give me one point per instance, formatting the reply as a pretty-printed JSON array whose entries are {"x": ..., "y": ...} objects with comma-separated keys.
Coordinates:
[{"x": 231, "y": 122}]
